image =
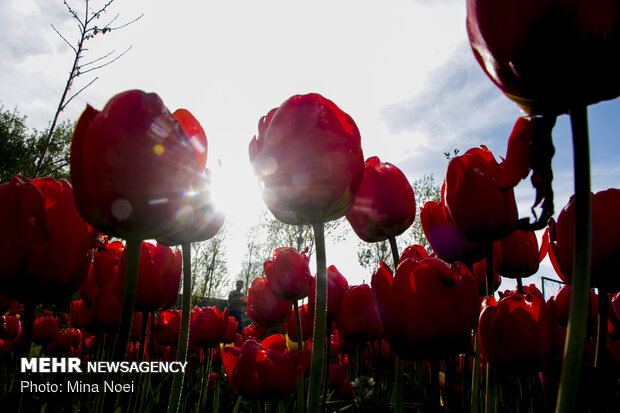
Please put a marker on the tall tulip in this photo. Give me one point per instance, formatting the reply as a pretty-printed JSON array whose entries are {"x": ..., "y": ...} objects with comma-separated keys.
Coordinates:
[
  {"x": 384, "y": 205},
  {"x": 288, "y": 274},
  {"x": 255, "y": 372},
  {"x": 356, "y": 315},
  {"x": 515, "y": 333},
  {"x": 264, "y": 307},
  {"x": 517, "y": 255},
  {"x": 481, "y": 209},
  {"x": 550, "y": 54},
  {"x": 308, "y": 156},
  {"x": 427, "y": 309},
  {"x": 335, "y": 283},
  {"x": 208, "y": 327}
]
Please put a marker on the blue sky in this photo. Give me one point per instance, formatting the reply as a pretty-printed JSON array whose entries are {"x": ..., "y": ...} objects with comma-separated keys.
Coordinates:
[{"x": 403, "y": 70}]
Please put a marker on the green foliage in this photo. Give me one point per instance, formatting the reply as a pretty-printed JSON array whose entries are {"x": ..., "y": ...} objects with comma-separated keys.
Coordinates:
[
  {"x": 20, "y": 148},
  {"x": 210, "y": 267}
]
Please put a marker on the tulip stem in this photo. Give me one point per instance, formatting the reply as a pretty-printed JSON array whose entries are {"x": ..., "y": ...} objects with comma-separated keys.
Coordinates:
[
  {"x": 177, "y": 382},
  {"x": 475, "y": 378},
  {"x": 320, "y": 317},
  {"x": 579, "y": 304},
  {"x": 129, "y": 297},
  {"x": 301, "y": 385},
  {"x": 397, "y": 391}
]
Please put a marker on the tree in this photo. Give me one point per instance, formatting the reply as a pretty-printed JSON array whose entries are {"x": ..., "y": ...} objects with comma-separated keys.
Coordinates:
[
  {"x": 209, "y": 267},
  {"x": 20, "y": 147},
  {"x": 87, "y": 29}
]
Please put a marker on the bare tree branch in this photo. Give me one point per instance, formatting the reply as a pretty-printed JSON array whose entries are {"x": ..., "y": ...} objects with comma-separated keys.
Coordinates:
[
  {"x": 106, "y": 63},
  {"x": 63, "y": 38},
  {"x": 77, "y": 93}
]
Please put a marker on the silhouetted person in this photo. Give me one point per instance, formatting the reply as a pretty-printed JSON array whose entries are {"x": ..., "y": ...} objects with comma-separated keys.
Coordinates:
[{"x": 236, "y": 305}]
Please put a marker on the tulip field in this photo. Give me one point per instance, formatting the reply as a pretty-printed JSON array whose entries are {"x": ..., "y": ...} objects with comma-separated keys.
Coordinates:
[{"x": 96, "y": 274}]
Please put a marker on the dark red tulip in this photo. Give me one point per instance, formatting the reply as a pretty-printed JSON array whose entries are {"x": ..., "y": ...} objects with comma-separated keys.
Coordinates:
[
  {"x": 81, "y": 315},
  {"x": 427, "y": 309},
  {"x": 309, "y": 158},
  {"x": 307, "y": 322},
  {"x": 207, "y": 327},
  {"x": 479, "y": 207},
  {"x": 416, "y": 252},
  {"x": 159, "y": 277},
  {"x": 45, "y": 330},
  {"x": 167, "y": 327},
  {"x": 605, "y": 240},
  {"x": 356, "y": 315},
  {"x": 548, "y": 55},
  {"x": 384, "y": 205},
  {"x": 288, "y": 274},
  {"x": 45, "y": 246},
  {"x": 516, "y": 255},
  {"x": 255, "y": 372},
  {"x": 480, "y": 274},
  {"x": 335, "y": 282},
  {"x": 10, "y": 306},
  {"x": 275, "y": 342},
  {"x": 264, "y": 307},
  {"x": 447, "y": 241},
  {"x": 10, "y": 327},
  {"x": 337, "y": 376},
  {"x": 130, "y": 165},
  {"x": 560, "y": 306},
  {"x": 515, "y": 334}
]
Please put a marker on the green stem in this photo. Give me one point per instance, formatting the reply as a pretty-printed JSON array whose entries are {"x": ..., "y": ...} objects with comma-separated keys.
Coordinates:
[
  {"x": 301, "y": 385},
  {"x": 320, "y": 317},
  {"x": 475, "y": 377},
  {"x": 129, "y": 298},
  {"x": 491, "y": 385},
  {"x": 177, "y": 382},
  {"x": 397, "y": 391},
  {"x": 579, "y": 305}
]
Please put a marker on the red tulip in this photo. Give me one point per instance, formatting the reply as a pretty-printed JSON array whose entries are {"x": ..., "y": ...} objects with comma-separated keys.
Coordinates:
[
  {"x": 10, "y": 327},
  {"x": 447, "y": 241},
  {"x": 384, "y": 205},
  {"x": 275, "y": 342},
  {"x": 337, "y": 376},
  {"x": 427, "y": 309},
  {"x": 45, "y": 330},
  {"x": 159, "y": 277},
  {"x": 45, "y": 246},
  {"x": 167, "y": 327},
  {"x": 356, "y": 315},
  {"x": 515, "y": 334},
  {"x": 130, "y": 165},
  {"x": 335, "y": 283},
  {"x": 550, "y": 54},
  {"x": 308, "y": 155},
  {"x": 288, "y": 274},
  {"x": 516, "y": 255},
  {"x": 416, "y": 252},
  {"x": 605, "y": 241},
  {"x": 307, "y": 322},
  {"x": 255, "y": 372},
  {"x": 560, "y": 306},
  {"x": 81, "y": 315},
  {"x": 196, "y": 135},
  {"x": 207, "y": 327},
  {"x": 263, "y": 307},
  {"x": 479, "y": 207}
]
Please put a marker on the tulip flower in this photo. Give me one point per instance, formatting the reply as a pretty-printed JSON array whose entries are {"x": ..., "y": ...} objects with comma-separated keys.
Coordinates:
[
  {"x": 167, "y": 327},
  {"x": 130, "y": 165},
  {"x": 81, "y": 315},
  {"x": 255, "y": 372},
  {"x": 309, "y": 158},
  {"x": 264, "y": 307},
  {"x": 384, "y": 205},
  {"x": 548, "y": 55},
  {"x": 605, "y": 242},
  {"x": 208, "y": 327},
  {"x": 10, "y": 327},
  {"x": 479, "y": 207},
  {"x": 447, "y": 241},
  {"x": 427, "y": 309},
  {"x": 45, "y": 246},
  {"x": 288, "y": 274},
  {"x": 45, "y": 329},
  {"x": 356, "y": 315},
  {"x": 516, "y": 255},
  {"x": 335, "y": 282},
  {"x": 515, "y": 333},
  {"x": 159, "y": 277}
]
